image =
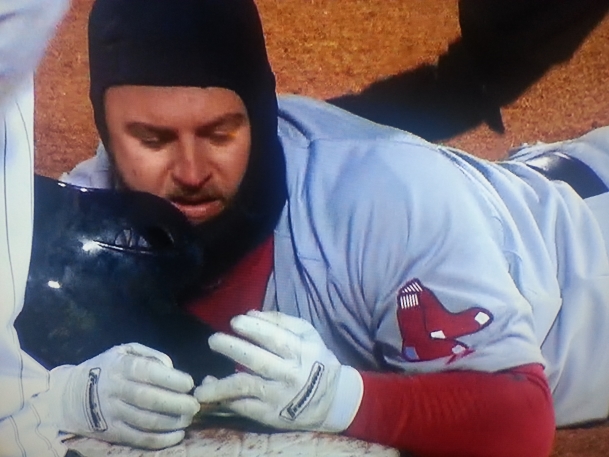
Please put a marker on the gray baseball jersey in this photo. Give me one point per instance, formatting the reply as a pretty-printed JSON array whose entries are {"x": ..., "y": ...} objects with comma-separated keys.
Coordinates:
[{"x": 413, "y": 257}]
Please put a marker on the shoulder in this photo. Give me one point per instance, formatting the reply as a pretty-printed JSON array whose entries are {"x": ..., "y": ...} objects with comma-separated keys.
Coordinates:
[
  {"x": 329, "y": 150},
  {"x": 318, "y": 120},
  {"x": 93, "y": 172},
  {"x": 320, "y": 136},
  {"x": 387, "y": 183}
]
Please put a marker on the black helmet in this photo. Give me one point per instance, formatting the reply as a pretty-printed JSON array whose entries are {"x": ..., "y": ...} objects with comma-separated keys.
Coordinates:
[{"x": 111, "y": 267}]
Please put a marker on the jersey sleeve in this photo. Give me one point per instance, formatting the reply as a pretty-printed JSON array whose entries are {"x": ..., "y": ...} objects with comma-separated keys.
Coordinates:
[{"x": 433, "y": 269}]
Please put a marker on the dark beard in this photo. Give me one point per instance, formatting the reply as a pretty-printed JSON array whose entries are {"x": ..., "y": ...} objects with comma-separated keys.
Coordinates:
[
  {"x": 238, "y": 229},
  {"x": 253, "y": 213},
  {"x": 224, "y": 240}
]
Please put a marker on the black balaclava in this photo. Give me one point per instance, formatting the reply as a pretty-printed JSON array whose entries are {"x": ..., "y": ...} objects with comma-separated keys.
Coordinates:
[{"x": 199, "y": 43}]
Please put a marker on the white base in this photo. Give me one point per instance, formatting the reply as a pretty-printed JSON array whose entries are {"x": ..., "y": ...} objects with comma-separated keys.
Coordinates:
[{"x": 220, "y": 442}]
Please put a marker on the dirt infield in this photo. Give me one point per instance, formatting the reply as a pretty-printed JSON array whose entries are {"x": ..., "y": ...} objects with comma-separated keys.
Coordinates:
[{"x": 362, "y": 53}]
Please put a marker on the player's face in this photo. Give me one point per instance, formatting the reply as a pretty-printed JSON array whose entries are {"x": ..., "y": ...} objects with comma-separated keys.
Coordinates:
[{"x": 187, "y": 144}]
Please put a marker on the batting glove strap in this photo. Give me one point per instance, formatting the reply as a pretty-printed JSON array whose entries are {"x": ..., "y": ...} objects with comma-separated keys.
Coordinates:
[
  {"x": 50, "y": 402},
  {"x": 347, "y": 400}
]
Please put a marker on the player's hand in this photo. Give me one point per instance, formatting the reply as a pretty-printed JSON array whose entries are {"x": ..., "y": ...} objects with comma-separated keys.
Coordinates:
[
  {"x": 291, "y": 380},
  {"x": 129, "y": 395}
]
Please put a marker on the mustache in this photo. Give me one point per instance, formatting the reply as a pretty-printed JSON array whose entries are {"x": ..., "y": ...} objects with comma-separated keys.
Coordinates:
[
  {"x": 181, "y": 194},
  {"x": 195, "y": 195}
]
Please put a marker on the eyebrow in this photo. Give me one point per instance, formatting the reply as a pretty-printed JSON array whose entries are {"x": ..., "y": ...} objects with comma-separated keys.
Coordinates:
[
  {"x": 231, "y": 119},
  {"x": 142, "y": 128},
  {"x": 138, "y": 128}
]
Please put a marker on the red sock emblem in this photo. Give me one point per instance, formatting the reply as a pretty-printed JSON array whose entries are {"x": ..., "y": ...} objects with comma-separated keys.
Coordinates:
[{"x": 429, "y": 331}]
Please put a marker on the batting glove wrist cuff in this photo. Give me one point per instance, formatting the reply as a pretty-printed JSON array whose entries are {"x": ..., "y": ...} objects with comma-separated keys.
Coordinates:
[
  {"x": 347, "y": 400},
  {"x": 52, "y": 401}
]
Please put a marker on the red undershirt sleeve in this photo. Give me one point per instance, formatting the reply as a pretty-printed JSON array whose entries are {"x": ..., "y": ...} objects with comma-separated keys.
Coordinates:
[{"x": 459, "y": 413}]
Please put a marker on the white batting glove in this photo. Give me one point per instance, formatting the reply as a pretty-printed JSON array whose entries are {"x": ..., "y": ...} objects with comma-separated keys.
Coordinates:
[
  {"x": 294, "y": 381},
  {"x": 129, "y": 395}
]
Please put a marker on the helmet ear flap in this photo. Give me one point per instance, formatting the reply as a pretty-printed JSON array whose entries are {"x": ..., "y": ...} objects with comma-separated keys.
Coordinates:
[{"x": 112, "y": 267}]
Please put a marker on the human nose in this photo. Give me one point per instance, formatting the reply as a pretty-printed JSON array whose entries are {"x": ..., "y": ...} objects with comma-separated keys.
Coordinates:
[{"x": 190, "y": 167}]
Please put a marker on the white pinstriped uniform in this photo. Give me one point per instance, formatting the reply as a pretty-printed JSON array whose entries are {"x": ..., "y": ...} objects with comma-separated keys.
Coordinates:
[{"x": 25, "y": 27}]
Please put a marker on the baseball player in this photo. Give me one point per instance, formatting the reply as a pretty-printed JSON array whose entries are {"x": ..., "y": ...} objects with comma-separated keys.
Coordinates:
[
  {"x": 367, "y": 282},
  {"x": 25, "y": 28},
  {"x": 30, "y": 398}
]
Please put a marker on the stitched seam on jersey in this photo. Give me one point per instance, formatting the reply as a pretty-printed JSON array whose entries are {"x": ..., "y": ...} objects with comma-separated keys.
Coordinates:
[
  {"x": 354, "y": 311},
  {"x": 456, "y": 159},
  {"x": 5, "y": 195},
  {"x": 29, "y": 150},
  {"x": 21, "y": 361},
  {"x": 39, "y": 433},
  {"x": 289, "y": 131},
  {"x": 7, "y": 229},
  {"x": 10, "y": 262},
  {"x": 11, "y": 420},
  {"x": 378, "y": 142}
]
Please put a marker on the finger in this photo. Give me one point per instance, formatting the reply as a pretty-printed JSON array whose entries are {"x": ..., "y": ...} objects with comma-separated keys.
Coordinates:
[
  {"x": 295, "y": 324},
  {"x": 150, "y": 421},
  {"x": 304, "y": 330},
  {"x": 151, "y": 371},
  {"x": 155, "y": 399},
  {"x": 145, "y": 351},
  {"x": 252, "y": 357},
  {"x": 147, "y": 440},
  {"x": 268, "y": 335},
  {"x": 233, "y": 387},
  {"x": 251, "y": 408}
]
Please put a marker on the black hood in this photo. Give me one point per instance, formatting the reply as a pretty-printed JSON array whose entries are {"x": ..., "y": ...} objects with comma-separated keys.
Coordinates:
[{"x": 199, "y": 43}]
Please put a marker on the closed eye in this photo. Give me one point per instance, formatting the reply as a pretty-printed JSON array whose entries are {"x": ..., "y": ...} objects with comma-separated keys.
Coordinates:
[
  {"x": 150, "y": 136},
  {"x": 224, "y": 129}
]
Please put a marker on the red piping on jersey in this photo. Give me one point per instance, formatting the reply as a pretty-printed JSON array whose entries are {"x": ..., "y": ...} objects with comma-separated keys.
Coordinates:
[{"x": 459, "y": 413}]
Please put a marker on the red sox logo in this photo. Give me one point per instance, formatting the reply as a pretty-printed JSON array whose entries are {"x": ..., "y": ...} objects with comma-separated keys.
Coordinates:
[{"x": 429, "y": 331}]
